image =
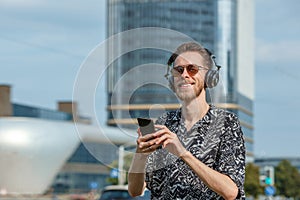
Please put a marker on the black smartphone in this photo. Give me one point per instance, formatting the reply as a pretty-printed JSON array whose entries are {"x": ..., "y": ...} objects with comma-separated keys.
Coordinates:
[{"x": 146, "y": 125}]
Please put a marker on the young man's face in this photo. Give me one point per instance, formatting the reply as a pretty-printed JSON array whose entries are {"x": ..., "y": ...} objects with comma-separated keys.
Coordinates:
[{"x": 188, "y": 86}]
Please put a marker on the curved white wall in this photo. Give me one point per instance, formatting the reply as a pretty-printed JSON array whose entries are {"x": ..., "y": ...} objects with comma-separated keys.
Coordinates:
[{"x": 32, "y": 151}]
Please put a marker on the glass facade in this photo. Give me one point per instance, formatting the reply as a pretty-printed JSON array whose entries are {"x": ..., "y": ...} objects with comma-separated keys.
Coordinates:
[
  {"x": 82, "y": 154},
  {"x": 29, "y": 111},
  {"x": 92, "y": 170},
  {"x": 212, "y": 23},
  {"x": 126, "y": 15}
]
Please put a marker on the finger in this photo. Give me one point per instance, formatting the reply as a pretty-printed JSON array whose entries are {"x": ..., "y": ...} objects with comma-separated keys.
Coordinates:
[
  {"x": 159, "y": 126},
  {"x": 156, "y": 146},
  {"x": 148, "y": 149},
  {"x": 147, "y": 143},
  {"x": 147, "y": 137},
  {"x": 139, "y": 132},
  {"x": 162, "y": 138},
  {"x": 161, "y": 132},
  {"x": 143, "y": 145},
  {"x": 151, "y": 148},
  {"x": 166, "y": 142}
]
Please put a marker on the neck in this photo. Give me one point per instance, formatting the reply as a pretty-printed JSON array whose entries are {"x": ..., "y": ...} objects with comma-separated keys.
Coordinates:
[{"x": 195, "y": 109}]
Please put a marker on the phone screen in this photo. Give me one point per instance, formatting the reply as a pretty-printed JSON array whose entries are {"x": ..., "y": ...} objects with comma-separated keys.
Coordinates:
[{"x": 146, "y": 125}]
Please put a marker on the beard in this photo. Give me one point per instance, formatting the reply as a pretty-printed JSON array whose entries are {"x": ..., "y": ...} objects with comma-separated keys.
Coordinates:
[{"x": 188, "y": 95}]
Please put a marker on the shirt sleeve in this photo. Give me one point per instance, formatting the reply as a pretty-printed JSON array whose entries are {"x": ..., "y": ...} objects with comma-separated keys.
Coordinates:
[{"x": 231, "y": 156}]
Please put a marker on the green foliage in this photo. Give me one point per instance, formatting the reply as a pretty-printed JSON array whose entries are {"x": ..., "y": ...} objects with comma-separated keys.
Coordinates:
[
  {"x": 114, "y": 164},
  {"x": 252, "y": 186},
  {"x": 287, "y": 179},
  {"x": 112, "y": 181}
]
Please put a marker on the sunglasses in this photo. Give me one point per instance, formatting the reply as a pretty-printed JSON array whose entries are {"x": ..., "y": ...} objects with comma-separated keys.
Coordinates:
[{"x": 191, "y": 69}]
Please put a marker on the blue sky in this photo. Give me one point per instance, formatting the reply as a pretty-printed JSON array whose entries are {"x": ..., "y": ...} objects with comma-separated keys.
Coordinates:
[{"x": 43, "y": 43}]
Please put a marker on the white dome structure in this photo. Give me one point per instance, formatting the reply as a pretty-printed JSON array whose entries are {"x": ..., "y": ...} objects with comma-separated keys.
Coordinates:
[{"x": 32, "y": 150}]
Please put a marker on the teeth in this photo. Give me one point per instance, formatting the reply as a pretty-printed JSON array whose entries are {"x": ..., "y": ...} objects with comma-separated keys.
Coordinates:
[{"x": 186, "y": 84}]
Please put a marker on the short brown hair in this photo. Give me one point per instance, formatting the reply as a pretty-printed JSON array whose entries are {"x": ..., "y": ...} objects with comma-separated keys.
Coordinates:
[{"x": 195, "y": 47}]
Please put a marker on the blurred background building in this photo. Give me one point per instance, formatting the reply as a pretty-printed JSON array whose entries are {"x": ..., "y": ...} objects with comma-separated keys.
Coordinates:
[
  {"x": 274, "y": 161},
  {"x": 225, "y": 27},
  {"x": 41, "y": 149}
]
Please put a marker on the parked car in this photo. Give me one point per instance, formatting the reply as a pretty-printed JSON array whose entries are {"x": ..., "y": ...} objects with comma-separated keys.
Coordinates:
[{"x": 120, "y": 192}]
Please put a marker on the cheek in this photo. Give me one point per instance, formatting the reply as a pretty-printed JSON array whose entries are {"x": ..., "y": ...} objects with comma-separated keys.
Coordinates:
[
  {"x": 176, "y": 80},
  {"x": 200, "y": 79}
]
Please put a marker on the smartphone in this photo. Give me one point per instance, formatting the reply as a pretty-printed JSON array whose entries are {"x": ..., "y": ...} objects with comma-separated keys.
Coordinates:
[{"x": 146, "y": 125}]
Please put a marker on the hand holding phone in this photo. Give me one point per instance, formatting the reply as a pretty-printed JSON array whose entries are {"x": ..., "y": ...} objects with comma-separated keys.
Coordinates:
[{"x": 146, "y": 126}]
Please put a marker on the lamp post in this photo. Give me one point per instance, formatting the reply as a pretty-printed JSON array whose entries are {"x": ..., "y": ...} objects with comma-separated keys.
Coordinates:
[
  {"x": 122, "y": 153},
  {"x": 121, "y": 180}
]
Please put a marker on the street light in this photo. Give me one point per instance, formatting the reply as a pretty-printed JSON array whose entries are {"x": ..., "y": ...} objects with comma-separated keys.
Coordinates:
[
  {"x": 121, "y": 165},
  {"x": 122, "y": 153}
]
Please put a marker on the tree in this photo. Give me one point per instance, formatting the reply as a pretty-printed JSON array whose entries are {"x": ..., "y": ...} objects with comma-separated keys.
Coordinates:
[
  {"x": 252, "y": 186},
  {"x": 287, "y": 179},
  {"x": 127, "y": 162}
]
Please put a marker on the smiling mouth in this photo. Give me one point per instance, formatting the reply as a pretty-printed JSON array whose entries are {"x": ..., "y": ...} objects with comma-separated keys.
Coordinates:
[{"x": 184, "y": 85}]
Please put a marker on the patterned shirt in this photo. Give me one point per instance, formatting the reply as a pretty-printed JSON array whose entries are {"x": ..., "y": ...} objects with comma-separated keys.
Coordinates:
[{"x": 216, "y": 140}]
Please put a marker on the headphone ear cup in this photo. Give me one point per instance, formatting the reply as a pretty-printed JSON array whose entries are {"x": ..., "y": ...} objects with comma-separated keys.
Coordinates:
[{"x": 211, "y": 78}]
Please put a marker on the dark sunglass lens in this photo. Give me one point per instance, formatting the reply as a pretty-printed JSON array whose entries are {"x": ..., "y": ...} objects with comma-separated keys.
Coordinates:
[
  {"x": 192, "y": 69},
  {"x": 178, "y": 70}
]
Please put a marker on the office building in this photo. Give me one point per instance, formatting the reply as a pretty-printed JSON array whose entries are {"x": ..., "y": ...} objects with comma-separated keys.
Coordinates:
[{"x": 225, "y": 27}]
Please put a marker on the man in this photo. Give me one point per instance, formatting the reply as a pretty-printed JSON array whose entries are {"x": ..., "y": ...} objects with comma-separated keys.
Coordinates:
[{"x": 203, "y": 152}]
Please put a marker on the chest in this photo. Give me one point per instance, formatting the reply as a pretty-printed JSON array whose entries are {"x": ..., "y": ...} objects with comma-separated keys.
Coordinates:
[{"x": 202, "y": 140}]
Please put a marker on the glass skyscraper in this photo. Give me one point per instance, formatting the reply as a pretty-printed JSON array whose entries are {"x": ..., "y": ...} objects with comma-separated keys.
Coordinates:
[{"x": 223, "y": 26}]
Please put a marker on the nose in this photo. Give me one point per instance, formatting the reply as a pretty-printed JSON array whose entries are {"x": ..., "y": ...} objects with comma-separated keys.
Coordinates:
[{"x": 185, "y": 73}]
